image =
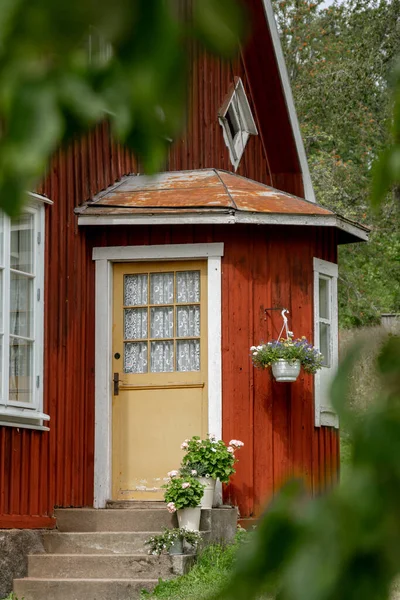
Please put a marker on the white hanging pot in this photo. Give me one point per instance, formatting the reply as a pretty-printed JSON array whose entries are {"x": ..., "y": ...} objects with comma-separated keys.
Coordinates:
[
  {"x": 286, "y": 370},
  {"x": 189, "y": 518},
  {"x": 207, "y": 499}
]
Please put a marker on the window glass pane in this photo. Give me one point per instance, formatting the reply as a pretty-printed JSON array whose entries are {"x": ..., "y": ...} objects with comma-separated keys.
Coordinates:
[
  {"x": 188, "y": 286},
  {"x": 162, "y": 357},
  {"x": 135, "y": 357},
  {"x": 21, "y": 251},
  {"x": 324, "y": 312},
  {"x": 188, "y": 321},
  {"x": 188, "y": 355},
  {"x": 135, "y": 323},
  {"x": 324, "y": 343},
  {"x": 161, "y": 288},
  {"x": 21, "y": 311},
  {"x": 232, "y": 120},
  {"x": 21, "y": 355},
  {"x": 135, "y": 290},
  {"x": 162, "y": 322}
]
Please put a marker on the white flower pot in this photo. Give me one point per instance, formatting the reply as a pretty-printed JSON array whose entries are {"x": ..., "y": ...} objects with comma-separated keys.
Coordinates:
[
  {"x": 207, "y": 499},
  {"x": 189, "y": 518},
  {"x": 284, "y": 370},
  {"x": 176, "y": 547}
]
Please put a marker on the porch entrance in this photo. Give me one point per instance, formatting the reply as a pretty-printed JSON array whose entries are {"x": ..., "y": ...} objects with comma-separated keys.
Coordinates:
[{"x": 159, "y": 367}]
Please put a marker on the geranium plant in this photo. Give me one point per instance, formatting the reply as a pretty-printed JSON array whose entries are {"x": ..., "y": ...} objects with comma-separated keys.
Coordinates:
[
  {"x": 182, "y": 492},
  {"x": 290, "y": 350},
  {"x": 210, "y": 457},
  {"x": 163, "y": 542}
]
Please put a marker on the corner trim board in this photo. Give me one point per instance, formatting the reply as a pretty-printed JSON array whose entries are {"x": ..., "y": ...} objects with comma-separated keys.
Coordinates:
[{"x": 104, "y": 258}]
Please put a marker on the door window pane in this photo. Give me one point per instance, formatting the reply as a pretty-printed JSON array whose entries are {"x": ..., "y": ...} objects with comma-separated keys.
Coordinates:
[
  {"x": 188, "y": 286},
  {"x": 135, "y": 357},
  {"x": 188, "y": 321},
  {"x": 135, "y": 323},
  {"x": 324, "y": 343},
  {"x": 188, "y": 355},
  {"x": 135, "y": 290},
  {"x": 162, "y": 357},
  {"x": 21, "y": 251},
  {"x": 162, "y": 322},
  {"x": 20, "y": 370},
  {"x": 324, "y": 298},
  {"x": 21, "y": 310},
  {"x": 161, "y": 288}
]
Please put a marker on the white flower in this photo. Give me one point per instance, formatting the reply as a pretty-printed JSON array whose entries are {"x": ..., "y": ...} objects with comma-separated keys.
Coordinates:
[
  {"x": 290, "y": 333},
  {"x": 185, "y": 485},
  {"x": 213, "y": 450},
  {"x": 193, "y": 472},
  {"x": 173, "y": 473},
  {"x": 184, "y": 446},
  {"x": 171, "y": 507},
  {"x": 255, "y": 353},
  {"x": 252, "y": 348},
  {"x": 259, "y": 347},
  {"x": 236, "y": 443},
  {"x": 230, "y": 449}
]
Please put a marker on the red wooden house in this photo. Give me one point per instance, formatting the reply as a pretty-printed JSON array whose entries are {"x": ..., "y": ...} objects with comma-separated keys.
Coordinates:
[{"x": 134, "y": 301}]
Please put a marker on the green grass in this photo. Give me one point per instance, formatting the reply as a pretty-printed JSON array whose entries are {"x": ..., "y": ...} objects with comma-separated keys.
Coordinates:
[{"x": 210, "y": 572}]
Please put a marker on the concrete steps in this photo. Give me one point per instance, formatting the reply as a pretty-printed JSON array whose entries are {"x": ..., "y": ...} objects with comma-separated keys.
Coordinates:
[
  {"x": 108, "y": 542},
  {"x": 81, "y": 589},
  {"x": 92, "y": 519},
  {"x": 105, "y": 566},
  {"x": 99, "y": 554}
]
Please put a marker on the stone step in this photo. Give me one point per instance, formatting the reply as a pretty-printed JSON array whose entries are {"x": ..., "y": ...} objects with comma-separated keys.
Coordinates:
[
  {"x": 90, "y": 566},
  {"x": 93, "y": 542},
  {"x": 32, "y": 588},
  {"x": 128, "y": 504},
  {"x": 92, "y": 519}
]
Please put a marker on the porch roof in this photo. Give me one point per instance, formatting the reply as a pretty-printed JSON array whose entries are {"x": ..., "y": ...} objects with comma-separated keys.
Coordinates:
[{"x": 207, "y": 196}]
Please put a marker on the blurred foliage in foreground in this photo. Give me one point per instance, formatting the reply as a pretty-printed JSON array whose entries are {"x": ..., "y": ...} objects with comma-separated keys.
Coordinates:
[
  {"x": 65, "y": 65},
  {"x": 344, "y": 545}
]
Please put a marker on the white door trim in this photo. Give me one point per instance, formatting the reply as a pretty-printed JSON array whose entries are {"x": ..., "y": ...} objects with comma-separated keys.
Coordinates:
[{"x": 104, "y": 258}]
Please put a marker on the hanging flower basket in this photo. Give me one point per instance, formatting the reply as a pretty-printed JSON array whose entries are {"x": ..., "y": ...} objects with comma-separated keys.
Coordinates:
[{"x": 286, "y": 357}]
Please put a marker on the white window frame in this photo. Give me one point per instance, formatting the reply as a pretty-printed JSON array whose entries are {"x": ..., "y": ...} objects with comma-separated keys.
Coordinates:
[
  {"x": 20, "y": 414},
  {"x": 325, "y": 416},
  {"x": 240, "y": 108}
]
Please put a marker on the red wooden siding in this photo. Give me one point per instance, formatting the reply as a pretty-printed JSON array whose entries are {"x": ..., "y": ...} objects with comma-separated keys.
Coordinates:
[{"x": 41, "y": 470}]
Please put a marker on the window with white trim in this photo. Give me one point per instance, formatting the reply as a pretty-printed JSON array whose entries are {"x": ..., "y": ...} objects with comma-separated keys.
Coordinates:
[
  {"x": 325, "y": 338},
  {"x": 21, "y": 318},
  {"x": 237, "y": 122}
]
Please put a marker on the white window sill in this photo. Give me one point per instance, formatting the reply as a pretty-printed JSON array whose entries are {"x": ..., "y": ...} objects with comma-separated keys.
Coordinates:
[{"x": 23, "y": 419}]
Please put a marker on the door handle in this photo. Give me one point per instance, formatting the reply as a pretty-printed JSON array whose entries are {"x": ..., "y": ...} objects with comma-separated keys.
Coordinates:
[{"x": 116, "y": 384}]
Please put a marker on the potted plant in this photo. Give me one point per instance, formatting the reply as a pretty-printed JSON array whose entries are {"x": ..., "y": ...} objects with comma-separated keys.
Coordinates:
[
  {"x": 209, "y": 459},
  {"x": 172, "y": 540},
  {"x": 286, "y": 356},
  {"x": 183, "y": 495}
]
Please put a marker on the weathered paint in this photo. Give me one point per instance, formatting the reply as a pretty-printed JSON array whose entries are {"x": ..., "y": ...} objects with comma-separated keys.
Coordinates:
[
  {"x": 208, "y": 188},
  {"x": 40, "y": 470}
]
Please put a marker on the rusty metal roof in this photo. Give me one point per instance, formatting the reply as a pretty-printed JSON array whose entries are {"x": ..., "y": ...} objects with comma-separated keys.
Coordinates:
[
  {"x": 210, "y": 193},
  {"x": 209, "y": 188}
]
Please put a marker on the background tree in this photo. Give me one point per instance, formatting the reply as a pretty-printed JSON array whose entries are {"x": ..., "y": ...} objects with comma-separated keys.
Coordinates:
[{"x": 339, "y": 60}]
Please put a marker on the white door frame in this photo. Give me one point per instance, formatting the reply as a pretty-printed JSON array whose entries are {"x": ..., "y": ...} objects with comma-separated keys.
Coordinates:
[{"x": 104, "y": 258}]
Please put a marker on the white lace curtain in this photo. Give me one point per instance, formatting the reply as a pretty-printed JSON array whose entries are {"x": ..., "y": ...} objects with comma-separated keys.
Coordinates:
[{"x": 166, "y": 322}]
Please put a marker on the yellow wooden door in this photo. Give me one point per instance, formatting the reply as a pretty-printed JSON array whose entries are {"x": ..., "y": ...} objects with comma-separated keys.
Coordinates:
[{"x": 159, "y": 369}]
